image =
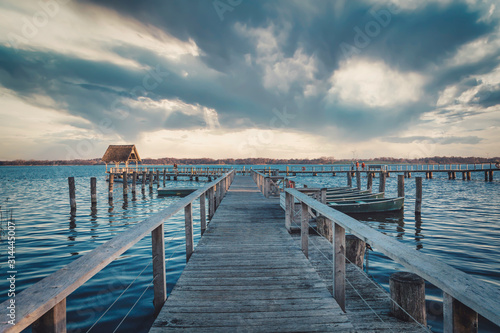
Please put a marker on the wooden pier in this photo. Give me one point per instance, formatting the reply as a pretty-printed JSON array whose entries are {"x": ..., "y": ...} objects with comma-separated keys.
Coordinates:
[{"x": 247, "y": 273}]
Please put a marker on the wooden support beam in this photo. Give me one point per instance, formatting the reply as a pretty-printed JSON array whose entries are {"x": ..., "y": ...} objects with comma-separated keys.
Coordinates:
[
  {"x": 53, "y": 321},
  {"x": 289, "y": 211},
  {"x": 188, "y": 218},
  {"x": 203, "y": 214},
  {"x": 401, "y": 186},
  {"x": 457, "y": 317},
  {"x": 304, "y": 229},
  {"x": 339, "y": 265},
  {"x": 159, "y": 267}
]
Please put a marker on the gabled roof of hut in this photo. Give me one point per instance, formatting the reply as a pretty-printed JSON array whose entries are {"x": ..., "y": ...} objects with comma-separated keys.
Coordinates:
[{"x": 121, "y": 153}]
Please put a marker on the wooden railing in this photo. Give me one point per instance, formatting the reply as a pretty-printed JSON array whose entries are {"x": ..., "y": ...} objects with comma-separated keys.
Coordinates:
[
  {"x": 171, "y": 170},
  {"x": 44, "y": 303},
  {"x": 458, "y": 288},
  {"x": 268, "y": 185}
]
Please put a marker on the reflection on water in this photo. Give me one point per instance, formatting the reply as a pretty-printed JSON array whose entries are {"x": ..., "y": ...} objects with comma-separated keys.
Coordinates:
[{"x": 49, "y": 237}]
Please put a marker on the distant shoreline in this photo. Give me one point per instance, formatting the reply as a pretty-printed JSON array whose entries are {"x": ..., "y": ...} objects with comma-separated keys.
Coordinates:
[{"x": 262, "y": 161}]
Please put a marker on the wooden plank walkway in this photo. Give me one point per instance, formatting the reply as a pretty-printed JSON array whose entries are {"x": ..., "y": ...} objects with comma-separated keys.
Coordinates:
[{"x": 247, "y": 274}]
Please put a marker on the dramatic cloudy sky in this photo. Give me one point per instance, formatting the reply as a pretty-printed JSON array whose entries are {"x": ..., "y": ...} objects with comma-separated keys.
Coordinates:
[{"x": 247, "y": 78}]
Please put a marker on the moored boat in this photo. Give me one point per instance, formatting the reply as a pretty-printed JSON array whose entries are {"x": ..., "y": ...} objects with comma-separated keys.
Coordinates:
[
  {"x": 175, "y": 191},
  {"x": 351, "y": 197},
  {"x": 369, "y": 205}
]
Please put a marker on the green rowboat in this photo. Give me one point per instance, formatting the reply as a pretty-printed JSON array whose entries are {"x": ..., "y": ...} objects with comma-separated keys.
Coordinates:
[
  {"x": 369, "y": 205},
  {"x": 173, "y": 192}
]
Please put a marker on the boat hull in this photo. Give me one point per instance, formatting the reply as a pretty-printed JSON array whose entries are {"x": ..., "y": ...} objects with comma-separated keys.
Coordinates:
[
  {"x": 369, "y": 205},
  {"x": 175, "y": 192}
]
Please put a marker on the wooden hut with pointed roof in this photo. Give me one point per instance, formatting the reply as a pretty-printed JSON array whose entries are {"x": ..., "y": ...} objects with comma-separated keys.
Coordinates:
[{"x": 118, "y": 154}]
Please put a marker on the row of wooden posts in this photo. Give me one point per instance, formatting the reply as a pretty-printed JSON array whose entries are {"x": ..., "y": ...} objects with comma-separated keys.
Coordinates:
[
  {"x": 149, "y": 178},
  {"x": 407, "y": 288}
]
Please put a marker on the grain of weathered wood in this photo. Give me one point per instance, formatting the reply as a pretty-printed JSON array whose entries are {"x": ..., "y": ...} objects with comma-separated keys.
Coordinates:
[
  {"x": 158, "y": 252},
  {"x": 188, "y": 217},
  {"x": 54, "y": 321},
  {"x": 246, "y": 274},
  {"x": 339, "y": 265},
  {"x": 304, "y": 229},
  {"x": 72, "y": 198},
  {"x": 457, "y": 317}
]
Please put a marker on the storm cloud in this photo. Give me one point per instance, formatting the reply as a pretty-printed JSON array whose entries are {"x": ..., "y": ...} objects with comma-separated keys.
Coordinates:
[{"x": 346, "y": 72}]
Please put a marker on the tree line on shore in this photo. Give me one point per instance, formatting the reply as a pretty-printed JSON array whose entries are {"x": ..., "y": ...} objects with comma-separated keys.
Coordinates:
[{"x": 265, "y": 161}]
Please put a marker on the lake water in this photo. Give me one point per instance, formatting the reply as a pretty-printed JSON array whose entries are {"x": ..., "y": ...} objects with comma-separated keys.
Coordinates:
[{"x": 460, "y": 225}]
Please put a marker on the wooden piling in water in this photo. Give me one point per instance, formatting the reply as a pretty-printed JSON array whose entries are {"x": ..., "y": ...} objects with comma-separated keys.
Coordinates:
[
  {"x": 110, "y": 188},
  {"x": 358, "y": 179},
  {"x": 157, "y": 178},
  {"x": 143, "y": 181},
  {"x": 490, "y": 175},
  {"x": 408, "y": 291},
  {"x": 355, "y": 250},
  {"x": 134, "y": 182},
  {"x": 381, "y": 184},
  {"x": 151, "y": 180},
  {"x": 469, "y": 175},
  {"x": 72, "y": 196},
  {"x": 125, "y": 184},
  {"x": 349, "y": 179},
  {"x": 93, "y": 191},
  {"x": 418, "y": 195},
  {"x": 164, "y": 176},
  {"x": 401, "y": 186},
  {"x": 369, "y": 181}
]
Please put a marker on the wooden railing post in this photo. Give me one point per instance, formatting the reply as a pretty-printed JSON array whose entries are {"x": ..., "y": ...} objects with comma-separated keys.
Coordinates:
[
  {"x": 203, "y": 214},
  {"x": 211, "y": 202},
  {"x": 54, "y": 321},
  {"x": 339, "y": 265},
  {"x": 289, "y": 205},
  {"x": 160, "y": 281},
  {"x": 188, "y": 217},
  {"x": 457, "y": 317},
  {"x": 304, "y": 229}
]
